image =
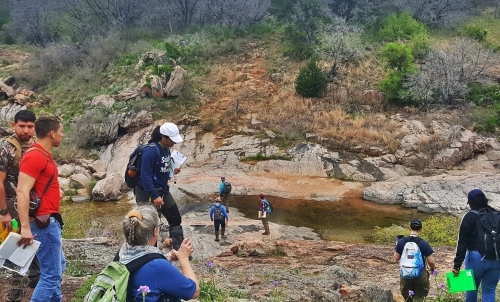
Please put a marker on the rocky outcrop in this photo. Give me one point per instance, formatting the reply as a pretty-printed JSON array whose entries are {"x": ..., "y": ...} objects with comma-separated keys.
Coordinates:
[
  {"x": 109, "y": 188},
  {"x": 177, "y": 81},
  {"x": 436, "y": 194},
  {"x": 104, "y": 100},
  {"x": 442, "y": 146}
]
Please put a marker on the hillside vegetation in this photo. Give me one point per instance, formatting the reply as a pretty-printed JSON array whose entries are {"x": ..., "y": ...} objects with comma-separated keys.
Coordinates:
[{"x": 338, "y": 69}]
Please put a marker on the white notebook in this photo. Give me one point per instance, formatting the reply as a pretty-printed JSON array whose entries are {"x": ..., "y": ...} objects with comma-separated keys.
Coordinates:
[
  {"x": 18, "y": 255},
  {"x": 177, "y": 160}
]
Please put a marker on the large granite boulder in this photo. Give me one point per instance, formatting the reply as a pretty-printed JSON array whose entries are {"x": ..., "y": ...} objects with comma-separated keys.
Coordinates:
[{"x": 109, "y": 188}]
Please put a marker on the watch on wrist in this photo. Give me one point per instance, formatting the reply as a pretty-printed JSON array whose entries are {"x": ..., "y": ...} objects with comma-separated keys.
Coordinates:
[{"x": 4, "y": 212}]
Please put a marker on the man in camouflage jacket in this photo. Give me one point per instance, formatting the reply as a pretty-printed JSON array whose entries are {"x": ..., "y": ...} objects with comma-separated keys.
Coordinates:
[{"x": 11, "y": 150}]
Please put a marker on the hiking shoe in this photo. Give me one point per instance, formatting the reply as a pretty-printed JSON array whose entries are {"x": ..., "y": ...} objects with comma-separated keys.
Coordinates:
[
  {"x": 217, "y": 239},
  {"x": 15, "y": 295},
  {"x": 266, "y": 233}
]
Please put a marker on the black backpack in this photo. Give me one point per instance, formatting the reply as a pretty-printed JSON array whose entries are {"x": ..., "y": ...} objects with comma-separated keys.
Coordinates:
[
  {"x": 227, "y": 187},
  {"x": 487, "y": 233},
  {"x": 217, "y": 212},
  {"x": 132, "y": 172}
]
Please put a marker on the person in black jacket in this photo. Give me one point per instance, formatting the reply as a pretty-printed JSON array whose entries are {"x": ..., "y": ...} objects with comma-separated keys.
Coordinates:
[{"x": 486, "y": 271}]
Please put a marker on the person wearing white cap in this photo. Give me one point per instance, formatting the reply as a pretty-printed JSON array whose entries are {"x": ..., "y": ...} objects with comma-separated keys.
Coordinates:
[{"x": 155, "y": 173}]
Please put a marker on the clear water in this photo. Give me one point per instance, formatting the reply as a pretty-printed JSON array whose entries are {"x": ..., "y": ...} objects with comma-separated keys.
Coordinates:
[{"x": 350, "y": 220}]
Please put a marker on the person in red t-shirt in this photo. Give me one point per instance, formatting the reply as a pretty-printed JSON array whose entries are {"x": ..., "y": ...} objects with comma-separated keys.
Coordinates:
[{"x": 38, "y": 171}]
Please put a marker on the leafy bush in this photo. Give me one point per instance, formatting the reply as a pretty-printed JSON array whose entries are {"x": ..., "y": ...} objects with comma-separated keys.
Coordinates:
[
  {"x": 441, "y": 230},
  {"x": 438, "y": 230},
  {"x": 310, "y": 81},
  {"x": 398, "y": 56},
  {"x": 419, "y": 45},
  {"x": 483, "y": 94},
  {"x": 260, "y": 28},
  {"x": 261, "y": 157},
  {"x": 162, "y": 70},
  {"x": 388, "y": 235},
  {"x": 296, "y": 44},
  {"x": 485, "y": 119},
  {"x": 399, "y": 60},
  {"x": 210, "y": 292},
  {"x": 475, "y": 32},
  {"x": 401, "y": 27},
  {"x": 172, "y": 50},
  {"x": 392, "y": 86}
]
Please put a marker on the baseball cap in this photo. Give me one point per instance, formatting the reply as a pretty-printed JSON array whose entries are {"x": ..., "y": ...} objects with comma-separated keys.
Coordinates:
[
  {"x": 261, "y": 195},
  {"x": 172, "y": 131},
  {"x": 416, "y": 224},
  {"x": 474, "y": 195}
]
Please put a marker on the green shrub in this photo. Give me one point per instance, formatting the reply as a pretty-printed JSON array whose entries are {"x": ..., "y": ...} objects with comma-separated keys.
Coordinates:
[
  {"x": 388, "y": 235},
  {"x": 441, "y": 230},
  {"x": 419, "y": 45},
  {"x": 401, "y": 27},
  {"x": 485, "y": 119},
  {"x": 483, "y": 94},
  {"x": 172, "y": 50},
  {"x": 392, "y": 86},
  {"x": 296, "y": 44},
  {"x": 162, "y": 70},
  {"x": 399, "y": 60},
  {"x": 398, "y": 56},
  {"x": 261, "y": 157},
  {"x": 310, "y": 81},
  {"x": 438, "y": 230},
  {"x": 475, "y": 32},
  {"x": 260, "y": 29},
  {"x": 210, "y": 292}
]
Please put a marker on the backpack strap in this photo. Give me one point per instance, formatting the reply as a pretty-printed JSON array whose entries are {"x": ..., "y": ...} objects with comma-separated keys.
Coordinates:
[
  {"x": 13, "y": 141},
  {"x": 136, "y": 264},
  {"x": 48, "y": 157}
]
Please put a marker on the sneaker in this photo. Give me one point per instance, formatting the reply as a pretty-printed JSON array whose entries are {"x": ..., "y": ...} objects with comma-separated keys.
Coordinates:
[
  {"x": 15, "y": 295},
  {"x": 265, "y": 233}
]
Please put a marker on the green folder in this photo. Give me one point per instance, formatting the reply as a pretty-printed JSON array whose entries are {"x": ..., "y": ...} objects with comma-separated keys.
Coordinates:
[{"x": 461, "y": 283}]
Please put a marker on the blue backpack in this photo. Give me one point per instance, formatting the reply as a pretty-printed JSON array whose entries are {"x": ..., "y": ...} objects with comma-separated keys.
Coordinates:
[
  {"x": 411, "y": 263},
  {"x": 269, "y": 206}
]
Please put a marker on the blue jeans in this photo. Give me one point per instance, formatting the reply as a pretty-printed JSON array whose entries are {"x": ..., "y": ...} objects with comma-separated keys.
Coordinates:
[
  {"x": 52, "y": 262},
  {"x": 486, "y": 273}
]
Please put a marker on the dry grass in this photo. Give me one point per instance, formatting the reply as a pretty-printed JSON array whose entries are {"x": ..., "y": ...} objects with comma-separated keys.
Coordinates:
[
  {"x": 242, "y": 90},
  {"x": 347, "y": 131}
]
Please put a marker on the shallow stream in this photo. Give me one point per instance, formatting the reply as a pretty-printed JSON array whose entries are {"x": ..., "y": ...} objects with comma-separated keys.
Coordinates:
[{"x": 350, "y": 219}]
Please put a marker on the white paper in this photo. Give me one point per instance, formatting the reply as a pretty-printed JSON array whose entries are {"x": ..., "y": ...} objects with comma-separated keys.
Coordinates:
[
  {"x": 177, "y": 160},
  {"x": 16, "y": 258}
]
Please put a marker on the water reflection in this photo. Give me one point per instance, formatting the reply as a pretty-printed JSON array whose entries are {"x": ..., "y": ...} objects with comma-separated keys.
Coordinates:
[{"x": 349, "y": 220}]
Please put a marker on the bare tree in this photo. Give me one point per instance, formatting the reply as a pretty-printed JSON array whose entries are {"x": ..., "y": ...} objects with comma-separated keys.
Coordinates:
[
  {"x": 237, "y": 13},
  {"x": 447, "y": 71},
  {"x": 34, "y": 20},
  {"x": 436, "y": 12},
  {"x": 89, "y": 16},
  {"x": 341, "y": 45}
]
